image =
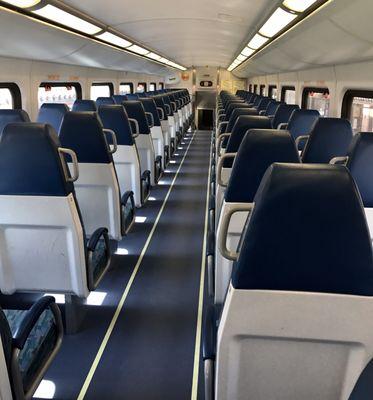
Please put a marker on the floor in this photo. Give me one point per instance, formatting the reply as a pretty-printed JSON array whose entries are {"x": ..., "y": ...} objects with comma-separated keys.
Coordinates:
[{"x": 141, "y": 336}]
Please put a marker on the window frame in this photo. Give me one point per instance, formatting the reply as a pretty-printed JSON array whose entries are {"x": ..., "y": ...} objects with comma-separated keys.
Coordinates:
[
  {"x": 308, "y": 89},
  {"x": 262, "y": 89},
  {"x": 145, "y": 84},
  {"x": 348, "y": 99},
  {"x": 284, "y": 89},
  {"x": 270, "y": 90},
  {"x": 161, "y": 85},
  {"x": 155, "y": 86},
  {"x": 250, "y": 88},
  {"x": 15, "y": 92},
  {"x": 110, "y": 84},
  {"x": 255, "y": 89},
  {"x": 76, "y": 85},
  {"x": 130, "y": 84}
]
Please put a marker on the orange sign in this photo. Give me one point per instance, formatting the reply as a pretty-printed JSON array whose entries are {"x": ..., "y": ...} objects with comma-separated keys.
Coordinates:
[{"x": 185, "y": 76}]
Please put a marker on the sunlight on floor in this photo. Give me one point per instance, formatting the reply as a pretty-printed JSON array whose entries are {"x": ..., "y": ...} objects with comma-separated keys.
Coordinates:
[
  {"x": 60, "y": 299},
  {"x": 46, "y": 390},
  {"x": 121, "y": 251},
  {"x": 140, "y": 220},
  {"x": 96, "y": 298},
  {"x": 152, "y": 199}
]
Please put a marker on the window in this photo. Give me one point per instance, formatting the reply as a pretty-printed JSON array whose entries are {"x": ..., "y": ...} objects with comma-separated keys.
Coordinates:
[
  {"x": 101, "y": 90},
  {"x": 272, "y": 92},
  {"x": 288, "y": 94},
  {"x": 161, "y": 85},
  {"x": 358, "y": 108},
  {"x": 126, "y": 88},
  {"x": 141, "y": 87},
  {"x": 152, "y": 87},
  {"x": 262, "y": 89},
  {"x": 10, "y": 96},
  {"x": 250, "y": 88},
  {"x": 59, "y": 92},
  {"x": 316, "y": 99},
  {"x": 255, "y": 89}
]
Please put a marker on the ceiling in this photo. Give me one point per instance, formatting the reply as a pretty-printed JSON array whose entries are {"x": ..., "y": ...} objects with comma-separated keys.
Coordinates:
[{"x": 192, "y": 33}]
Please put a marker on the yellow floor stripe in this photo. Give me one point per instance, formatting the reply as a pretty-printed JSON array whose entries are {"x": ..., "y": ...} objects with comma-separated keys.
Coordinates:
[
  {"x": 110, "y": 329},
  {"x": 197, "y": 350}
]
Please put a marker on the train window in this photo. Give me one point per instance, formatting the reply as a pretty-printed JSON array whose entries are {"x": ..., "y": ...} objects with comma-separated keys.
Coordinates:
[
  {"x": 161, "y": 85},
  {"x": 126, "y": 88},
  {"x": 262, "y": 89},
  {"x": 141, "y": 87},
  {"x": 316, "y": 99},
  {"x": 59, "y": 92},
  {"x": 250, "y": 88},
  {"x": 272, "y": 92},
  {"x": 10, "y": 96},
  {"x": 288, "y": 94},
  {"x": 101, "y": 90},
  {"x": 6, "y": 98},
  {"x": 358, "y": 108},
  {"x": 152, "y": 87},
  {"x": 255, "y": 89}
]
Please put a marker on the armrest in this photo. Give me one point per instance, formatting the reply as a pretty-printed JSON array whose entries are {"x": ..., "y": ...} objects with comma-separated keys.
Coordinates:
[
  {"x": 145, "y": 175},
  {"x": 339, "y": 160},
  {"x": 220, "y": 168},
  {"x": 299, "y": 139},
  {"x": 127, "y": 195},
  {"x": 97, "y": 235},
  {"x": 221, "y": 124},
  {"x": 283, "y": 126},
  {"x": 220, "y": 141},
  {"x": 28, "y": 322},
  {"x": 209, "y": 334},
  {"x": 263, "y": 112}
]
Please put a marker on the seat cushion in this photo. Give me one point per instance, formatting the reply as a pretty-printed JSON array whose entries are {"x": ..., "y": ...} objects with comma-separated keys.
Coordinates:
[{"x": 38, "y": 345}]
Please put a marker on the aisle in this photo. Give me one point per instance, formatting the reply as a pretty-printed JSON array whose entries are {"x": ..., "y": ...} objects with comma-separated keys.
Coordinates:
[{"x": 145, "y": 348}]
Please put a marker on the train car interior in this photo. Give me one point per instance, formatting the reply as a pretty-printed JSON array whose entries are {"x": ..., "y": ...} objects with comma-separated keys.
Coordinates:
[{"x": 186, "y": 200}]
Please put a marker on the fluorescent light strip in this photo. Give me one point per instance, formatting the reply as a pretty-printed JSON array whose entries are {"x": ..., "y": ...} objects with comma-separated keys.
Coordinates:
[
  {"x": 277, "y": 22},
  {"x": 139, "y": 50},
  {"x": 153, "y": 56},
  {"x": 62, "y": 17},
  {"x": 247, "y": 52},
  {"x": 114, "y": 39},
  {"x": 257, "y": 41},
  {"x": 22, "y": 3},
  {"x": 298, "y": 5}
]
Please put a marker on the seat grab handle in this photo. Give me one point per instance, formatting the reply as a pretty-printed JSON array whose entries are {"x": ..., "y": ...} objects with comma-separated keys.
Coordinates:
[
  {"x": 69, "y": 178},
  {"x": 151, "y": 117},
  {"x": 220, "y": 168},
  {"x": 137, "y": 127},
  {"x": 161, "y": 112},
  {"x": 113, "y": 149}
]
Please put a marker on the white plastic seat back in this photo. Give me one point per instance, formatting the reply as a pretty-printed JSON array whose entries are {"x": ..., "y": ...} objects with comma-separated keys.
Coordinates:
[
  {"x": 97, "y": 187},
  {"x": 292, "y": 325}
]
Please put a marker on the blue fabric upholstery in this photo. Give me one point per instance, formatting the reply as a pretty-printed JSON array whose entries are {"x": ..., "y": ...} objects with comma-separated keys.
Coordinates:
[
  {"x": 360, "y": 164},
  {"x": 236, "y": 113},
  {"x": 263, "y": 104},
  {"x": 160, "y": 104},
  {"x": 302, "y": 122},
  {"x": 52, "y": 114},
  {"x": 259, "y": 149},
  {"x": 101, "y": 101},
  {"x": 9, "y": 116},
  {"x": 307, "y": 232},
  {"x": 242, "y": 125},
  {"x": 283, "y": 114},
  {"x": 82, "y": 132},
  {"x": 84, "y": 105},
  {"x": 30, "y": 164},
  {"x": 232, "y": 107},
  {"x": 132, "y": 96},
  {"x": 119, "y": 98},
  {"x": 329, "y": 138},
  {"x": 135, "y": 110},
  {"x": 272, "y": 108},
  {"x": 150, "y": 106},
  {"x": 116, "y": 119}
]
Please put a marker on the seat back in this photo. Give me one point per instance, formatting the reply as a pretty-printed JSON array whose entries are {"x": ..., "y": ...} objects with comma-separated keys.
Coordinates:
[
  {"x": 119, "y": 98},
  {"x": 81, "y": 105},
  {"x": 97, "y": 188},
  {"x": 291, "y": 326},
  {"x": 9, "y": 116},
  {"x": 263, "y": 104},
  {"x": 100, "y": 101},
  {"x": 283, "y": 114},
  {"x": 132, "y": 96},
  {"x": 38, "y": 203},
  {"x": 150, "y": 107},
  {"x": 302, "y": 122},
  {"x": 52, "y": 114},
  {"x": 272, "y": 108},
  {"x": 237, "y": 112},
  {"x": 330, "y": 137},
  {"x": 135, "y": 110}
]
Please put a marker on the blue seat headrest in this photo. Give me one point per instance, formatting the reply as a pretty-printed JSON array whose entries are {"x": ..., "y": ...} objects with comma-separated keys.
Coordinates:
[
  {"x": 30, "y": 163},
  {"x": 360, "y": 164},
  {"x": 329, "y": 138},
  {"x": 263, "y": 104},
  {"x": 283, "y": 114},
  {"x": 84, "y": 105},
  {"x": 119, "y": 98},
  {"x": 52, "y": 114},
  {"x": 151, "y": 107},
  {"x": 272, "y": 108},
  {"x": 82, "y": 132},
  {"x": 242, "y": 125},
  {"x": 115, "y": 118},
  {"x": 307, "y": 233},
  {"x": 259, "y": 149},
  {"x": 141, "y": 95},
  {"x": 132, "y": 96},
  {"x": 135, "y": 110},
  {"x": 8, "y": 116},
  {"x": 238, "y": 112},
  {"x": 100, "y": 101},
  {"x": 232, "y": 107},
  {"x": 302, "y": 122}
]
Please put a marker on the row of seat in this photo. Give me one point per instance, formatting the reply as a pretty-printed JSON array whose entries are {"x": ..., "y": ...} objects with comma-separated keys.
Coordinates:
[
  {"x": 70, "y": 183},
  {"x": 290, "y": 265}
]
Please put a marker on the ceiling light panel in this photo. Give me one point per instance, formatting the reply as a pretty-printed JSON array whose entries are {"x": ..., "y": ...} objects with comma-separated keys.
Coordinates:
[
  {"x": 22, "y": 3},
  {"x": 277, "y": 22},
  {"x": 62, "y": 17},
  {"x": 299, "y": 5},
  {"x": 257, "y": 41},
  {"x": 247, "y": 52},
  {"x": 153, "y": 56},
  {"x": 114, "y": 39},
  {"x": 139, "y": 50}
]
